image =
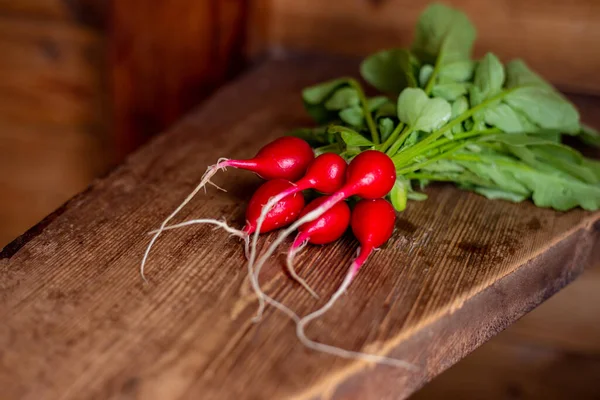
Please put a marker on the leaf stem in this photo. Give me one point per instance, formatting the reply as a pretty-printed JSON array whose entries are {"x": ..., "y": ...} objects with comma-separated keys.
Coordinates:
[
  {"x": 398, "y": 143},
  {"x": 418, "y": 148},
  {"x": 433, "y": 77},
  {"x": 390, "y": 140},
  {"x": 418, "y": 166},
  {"x": 459, "y": 136},
  {"x": 366, "y": 112}
]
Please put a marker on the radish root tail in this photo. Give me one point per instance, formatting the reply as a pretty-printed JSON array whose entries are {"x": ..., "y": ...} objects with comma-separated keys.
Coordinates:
[
  {"x": 336, "y": 350},
  {"x": 292, "y": 271},
  {"x": 308, "y": 217},
  {"x": 210, "y": 172}
]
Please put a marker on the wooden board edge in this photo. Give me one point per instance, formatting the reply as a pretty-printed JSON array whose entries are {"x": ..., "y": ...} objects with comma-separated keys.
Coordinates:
[{"x": 547, "y": 273}]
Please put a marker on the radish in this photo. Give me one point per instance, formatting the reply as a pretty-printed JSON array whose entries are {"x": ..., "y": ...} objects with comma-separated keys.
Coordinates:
[
  {"x": 286, "y": 157},
  {"x": 282, "y": 214},
  {"x": 370, "y": 175},
  {"x": 328, "y": 228}
]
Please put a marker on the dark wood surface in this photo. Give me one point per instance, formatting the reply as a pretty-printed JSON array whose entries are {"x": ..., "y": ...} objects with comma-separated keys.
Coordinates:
[{"x": 78, "y": 322}]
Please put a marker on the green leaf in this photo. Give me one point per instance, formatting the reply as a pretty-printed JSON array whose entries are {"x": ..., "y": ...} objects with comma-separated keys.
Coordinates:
[
  {"x": 374, "y": 103},
  {"x": 420, "y": 112},
  {"x": 314, "y": 136},
  {"x": 443, "y": 32},
  {"x": 386, "y": 126},
  {"x": 425, "y": 74},
  {"x": 387, "y": 109},
  {"x": 558, "y": 192},
  {"x": 545, "y": 108},
  {"x": 547, "y": 188},
  {"x": 450, "y": 91},
  {"x": 503, "y": 179},
  {"x": 355, "y": 139},
  {"x": 317, "y": 94},
  {"x": 460, "y": 106},
  {"x": 489, "y": 76},
  {"x": 499, "y": 194},
  {"x": 343, "y": 98},
  {"x": 460, "y": 71},
  {"x": 399, "y": 193},
  {"x": 390, "y": 70},
  {"x": 589, "y": 136},
  {"x": 505, "y": 118},
  {"x": 353, "y": 116},
  {"x": 518, "y": 74}
]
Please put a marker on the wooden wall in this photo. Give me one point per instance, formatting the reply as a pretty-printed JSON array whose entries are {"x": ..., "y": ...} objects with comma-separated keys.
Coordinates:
[
  {"x": 166, "y": 56},
  {"x": 52, "y": 107},
  {"x": 560, "y": 39}
]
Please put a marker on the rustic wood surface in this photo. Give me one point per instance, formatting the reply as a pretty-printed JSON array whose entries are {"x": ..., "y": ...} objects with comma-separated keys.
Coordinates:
[
  {"x": 557, "y": 38},
  {"x": 78, "y": 322}
]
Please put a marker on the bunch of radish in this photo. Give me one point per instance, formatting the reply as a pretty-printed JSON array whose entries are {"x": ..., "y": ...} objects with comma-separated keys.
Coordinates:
[{"x": 289, "y": 166}]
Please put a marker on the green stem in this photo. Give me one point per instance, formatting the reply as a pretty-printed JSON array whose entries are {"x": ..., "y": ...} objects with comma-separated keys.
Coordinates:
[
  {"x": 390, "y": 140},
  {"x": 431, "y": 177},
  {"x": 434, "y": 74},
  {"x": 458, "y": 136},
  {"x": 443, "y": 155},
  {"x": 366, "y": 111},
  {"x": 398, "y": 143},
  {"x": 340, "y": 129},
  {"x": 418, "y": 148}
]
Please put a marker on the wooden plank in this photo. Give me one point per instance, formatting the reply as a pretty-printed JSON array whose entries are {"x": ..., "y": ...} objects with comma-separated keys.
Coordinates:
[
  {"x": 187, "y": 50},
  {"x": 79, "y": 323},
  {"x": 557, "y": 38}
]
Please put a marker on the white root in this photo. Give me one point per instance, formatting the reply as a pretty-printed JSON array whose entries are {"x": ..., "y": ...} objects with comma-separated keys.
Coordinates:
[
  {"x": 308, "y": 217},
  {"x": 210, "y": 172},
  {"x": 336, "y": 350},
  {"x": 292, "y": 271},
  {"x": 220, "y": 224}
]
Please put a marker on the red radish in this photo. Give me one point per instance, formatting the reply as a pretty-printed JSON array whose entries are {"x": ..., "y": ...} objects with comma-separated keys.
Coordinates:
[
  {"x": 282, "y": 214},
  {"x": 286, "y": 157},
  {"x": 370, "y": 175},
  {"x": 328, "y": 228}
]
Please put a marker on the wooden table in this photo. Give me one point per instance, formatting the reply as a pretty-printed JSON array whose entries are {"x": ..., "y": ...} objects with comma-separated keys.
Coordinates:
[{"x": 78, "y": 322}]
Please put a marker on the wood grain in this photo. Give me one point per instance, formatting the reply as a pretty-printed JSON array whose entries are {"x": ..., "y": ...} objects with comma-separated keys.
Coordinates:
[
  {"x": 79, "y": 323},
  {"x": 557, "y": 38},
  {"x": 187, "y": 50}
]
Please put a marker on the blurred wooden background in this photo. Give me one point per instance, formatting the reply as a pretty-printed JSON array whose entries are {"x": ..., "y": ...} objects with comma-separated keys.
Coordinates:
[{"x": 85, "y": 82}]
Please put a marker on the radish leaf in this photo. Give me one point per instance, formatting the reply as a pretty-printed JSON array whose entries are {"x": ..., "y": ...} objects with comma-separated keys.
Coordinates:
[
  {"x": 420, "y": 112},
  {"x": 445, "y": 33},
  {"x": 342, "y": 98},
  {"x": 390, "y": 70}
]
